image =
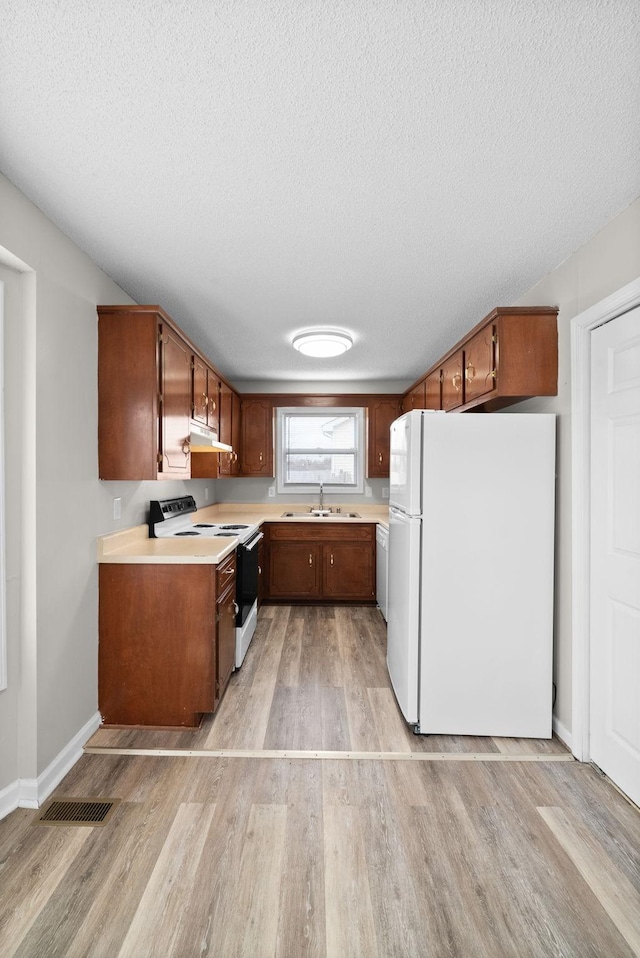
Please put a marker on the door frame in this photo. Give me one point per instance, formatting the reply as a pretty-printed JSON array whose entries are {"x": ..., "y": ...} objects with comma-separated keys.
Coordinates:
[{"x": 582, "y": 325}]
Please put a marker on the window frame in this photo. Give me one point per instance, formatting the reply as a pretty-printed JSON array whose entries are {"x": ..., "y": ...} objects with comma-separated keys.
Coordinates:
[{"x": 303, "y": 488}]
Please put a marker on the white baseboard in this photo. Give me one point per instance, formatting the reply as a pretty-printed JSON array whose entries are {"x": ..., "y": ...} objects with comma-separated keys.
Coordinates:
[
  {"x": 9, "y": 798},
  {"x": 563, "y": 733},
  {"x": 32, "y": 792}
]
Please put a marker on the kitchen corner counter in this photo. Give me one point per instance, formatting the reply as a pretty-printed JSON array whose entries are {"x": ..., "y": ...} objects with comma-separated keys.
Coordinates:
[
  {"x": 262, "y": 512},
  {"x": 135, "y": 546}
]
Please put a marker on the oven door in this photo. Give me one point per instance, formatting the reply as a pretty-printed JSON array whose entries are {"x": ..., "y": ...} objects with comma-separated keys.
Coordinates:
[{"x": 247, "y": 577}]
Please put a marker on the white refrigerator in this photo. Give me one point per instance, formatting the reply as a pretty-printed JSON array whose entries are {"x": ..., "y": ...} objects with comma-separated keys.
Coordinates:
[{"x": 470, "y": 580}]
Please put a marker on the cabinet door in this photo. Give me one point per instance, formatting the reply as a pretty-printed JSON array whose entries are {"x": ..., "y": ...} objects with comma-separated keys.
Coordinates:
[
  {"x": 261, "y": 571},
  {"x": 236, "y": 435},
  {"x": 381, "y": 413},
  {"x": 200, "y": 396},
  {"x": 294, "y": 570},
  {"x": 348, "y": 570},
  {"x": 213, "y": 401},
  {"x": 433, "y": 384},
  {"x": 175, "y": 407},
  {"x": 479, "y": 364},
  {"x": 256, "y": 456},
  {"x": 225, "y": 458},
  {"x": 226, "y": 638},
  {"x": 452, "y": 392},
  {"x": 416, "y": 398}
]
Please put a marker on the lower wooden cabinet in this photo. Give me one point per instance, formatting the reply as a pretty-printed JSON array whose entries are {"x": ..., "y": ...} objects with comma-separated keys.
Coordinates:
[
  {"x": 163, "y": 658},
  {"x": 226, "y": 610},
  {"x": 332, "y": 562}
]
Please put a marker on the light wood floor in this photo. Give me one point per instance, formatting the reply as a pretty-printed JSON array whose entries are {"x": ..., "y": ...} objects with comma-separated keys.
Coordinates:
[{"x": 483, "y": 854}]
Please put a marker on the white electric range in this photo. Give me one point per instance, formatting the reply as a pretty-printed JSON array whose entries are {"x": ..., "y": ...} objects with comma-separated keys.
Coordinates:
[{"x": 172, "y": 517}]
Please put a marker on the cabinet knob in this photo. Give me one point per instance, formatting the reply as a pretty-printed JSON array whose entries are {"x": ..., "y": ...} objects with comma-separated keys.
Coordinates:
[
  {"x": 470, "y": 372},
  {"x": 380, "y": 458},
  {"x": 260, "y": 457},
  {"x": 310, "y": 558},
  {"x": 186, "y": 448},
  {"x": 236, "y": 607},
  {"x": 332, "y": 558},
  {"x": 213, "y": 404},
  {"x": 456, "y": 381}
]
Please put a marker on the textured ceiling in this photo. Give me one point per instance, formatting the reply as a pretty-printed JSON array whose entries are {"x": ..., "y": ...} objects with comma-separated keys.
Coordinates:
[{"x": 393, "y": 167}]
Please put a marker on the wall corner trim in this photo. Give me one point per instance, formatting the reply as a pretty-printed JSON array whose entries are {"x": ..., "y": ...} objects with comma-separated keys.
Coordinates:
[{"x": 32, "y": 792}]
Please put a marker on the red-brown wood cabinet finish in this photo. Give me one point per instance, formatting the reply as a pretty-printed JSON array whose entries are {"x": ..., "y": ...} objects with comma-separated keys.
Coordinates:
[
  {"x": 166, "y": 641},
  {"x": 226, "y": 610},
  {"x": 381, "y": 412},
  {"x": 143, "y": 395},
  {"x": 328, "y": 562},
  {"x": 511, "y": 355},
  {"x": 256, "y": 447}
]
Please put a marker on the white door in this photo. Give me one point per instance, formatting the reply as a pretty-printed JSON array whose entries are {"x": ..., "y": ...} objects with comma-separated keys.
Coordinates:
[{"x": 615, "y": 551}]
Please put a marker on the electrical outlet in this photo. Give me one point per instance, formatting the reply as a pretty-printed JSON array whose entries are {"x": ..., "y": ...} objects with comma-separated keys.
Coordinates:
[
  {"x": 206, "y": 493},
  {"x": 117, "y": 508},
  {"x": 272, "y": 492},
  {"x": 367, "y": 491},
  {"x": 385, "y": 492}
]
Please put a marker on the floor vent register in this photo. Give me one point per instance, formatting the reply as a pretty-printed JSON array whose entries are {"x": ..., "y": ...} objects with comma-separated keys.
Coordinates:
[{"x": 94, "y": 812}]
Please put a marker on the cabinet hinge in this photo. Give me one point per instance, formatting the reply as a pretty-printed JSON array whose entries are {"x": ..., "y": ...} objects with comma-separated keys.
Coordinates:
[
  {"x": 159, "y": 457},
  {"x": 160, "y": 398},
  {"x": 494, "y": 338},
  {"x": 493, "y": 374}
]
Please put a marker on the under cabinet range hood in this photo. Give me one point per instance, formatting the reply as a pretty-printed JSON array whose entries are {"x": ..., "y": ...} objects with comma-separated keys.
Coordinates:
[{"x": 202, "y": 439}]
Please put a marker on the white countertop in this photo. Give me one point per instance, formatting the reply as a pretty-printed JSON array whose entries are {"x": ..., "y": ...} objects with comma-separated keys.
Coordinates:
[{"x": 134, "y": 545}]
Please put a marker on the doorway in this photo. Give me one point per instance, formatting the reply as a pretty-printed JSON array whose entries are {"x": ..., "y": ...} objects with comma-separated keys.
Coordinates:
[{"x": 606, "y": 517}]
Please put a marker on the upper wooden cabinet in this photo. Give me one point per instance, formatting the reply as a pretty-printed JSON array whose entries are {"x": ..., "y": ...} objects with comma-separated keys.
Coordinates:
[
  {"x": 144, "y": 395},
  {"x": 381, "y": 412},
  {"x": 205, "y": 395},
  {"x": 451, "y": 376},
  {"x": 256, "y": 444},
  {"x": 433, "y": 389},
  {"x": 510, "y": 356},
  {"x": 416, "y": 398}
]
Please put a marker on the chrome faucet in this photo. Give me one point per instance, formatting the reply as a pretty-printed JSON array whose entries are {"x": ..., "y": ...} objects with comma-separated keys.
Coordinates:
[{"x": 321, "y": 497}]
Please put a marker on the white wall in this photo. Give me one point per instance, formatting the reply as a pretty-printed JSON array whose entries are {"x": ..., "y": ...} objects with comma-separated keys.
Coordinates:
[
  {"x": 56, "y": 505},
  {"x": 610, "y": 260}
]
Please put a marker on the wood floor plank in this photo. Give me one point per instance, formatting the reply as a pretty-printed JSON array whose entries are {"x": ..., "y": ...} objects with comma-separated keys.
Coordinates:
[
  {"x": 289, "y": 668},
  {"x": 363, "y": 733},
  {"x": 25, "y": 893},
  {"x": 350, "y": 925},
  {"x": 301, "y": 919},
  {"x": 334, "y": 720},
  {"x": 251, "y": 928},
  {"x": 214, "y": 888},
  {"x": 437, "y": 851},
  {"x": 392, "y": 731},
  {"x": 156, "y": 924},
  {"x": 618, "y": 896}
]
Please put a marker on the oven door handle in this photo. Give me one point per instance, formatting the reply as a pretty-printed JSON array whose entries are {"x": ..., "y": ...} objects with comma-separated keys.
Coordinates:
[{"x": 256, "y": 539}]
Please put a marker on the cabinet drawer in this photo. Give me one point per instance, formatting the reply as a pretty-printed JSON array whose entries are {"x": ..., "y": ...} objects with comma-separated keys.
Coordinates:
[
  {"x": 318, "y": 531},
  {"x": 226, "y": 574}
]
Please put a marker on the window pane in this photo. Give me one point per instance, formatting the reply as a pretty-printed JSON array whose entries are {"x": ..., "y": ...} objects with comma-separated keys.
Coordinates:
[
  {"x": 301, "y": 468},
  {"x": 320, "y": 432}
]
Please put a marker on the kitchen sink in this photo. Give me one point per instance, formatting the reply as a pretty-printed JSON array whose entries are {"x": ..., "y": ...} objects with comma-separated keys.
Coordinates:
[{"x": 317, "y": 514}]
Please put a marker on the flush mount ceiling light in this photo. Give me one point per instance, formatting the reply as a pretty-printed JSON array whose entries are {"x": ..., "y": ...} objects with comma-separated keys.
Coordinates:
[{"x": 322, "y": 343}]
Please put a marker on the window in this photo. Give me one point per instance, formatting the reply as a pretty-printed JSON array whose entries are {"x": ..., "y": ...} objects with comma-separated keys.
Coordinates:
[{"x": 320, "y": 445}]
